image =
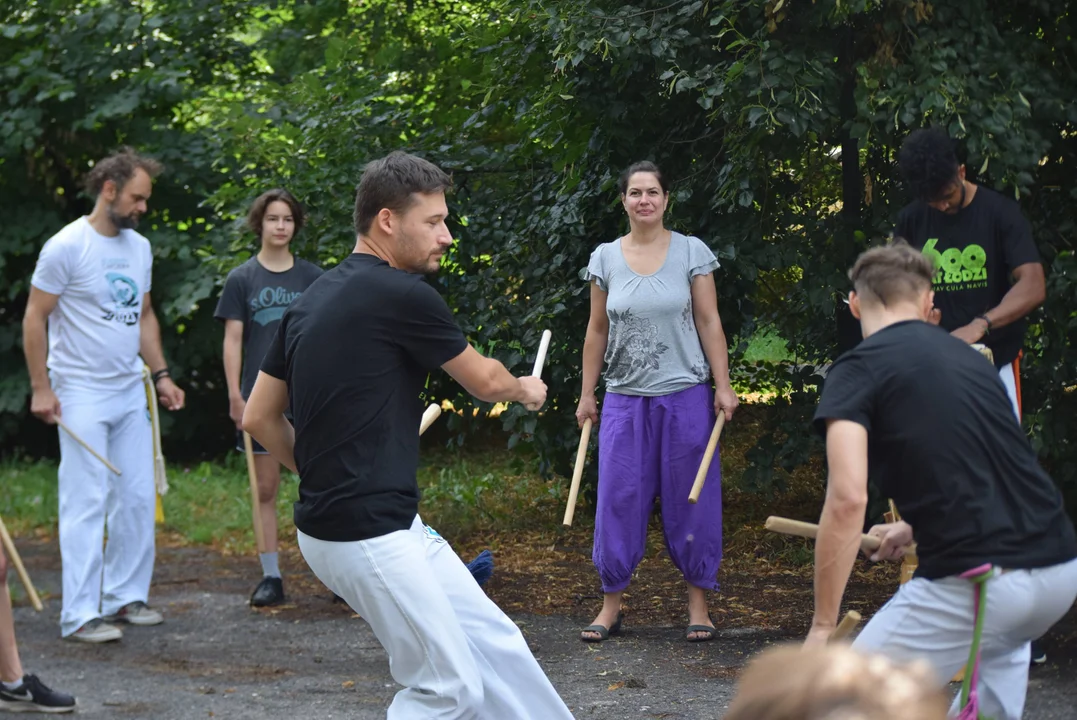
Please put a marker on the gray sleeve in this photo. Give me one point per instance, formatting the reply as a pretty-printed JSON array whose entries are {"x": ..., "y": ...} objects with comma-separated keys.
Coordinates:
[
  {"x": 701, "y": 259},
  {"x": 596, "y": 269}
]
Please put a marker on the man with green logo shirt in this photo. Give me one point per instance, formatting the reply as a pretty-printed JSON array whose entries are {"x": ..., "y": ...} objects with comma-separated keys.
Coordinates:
[{"x": 988, "y": 274}]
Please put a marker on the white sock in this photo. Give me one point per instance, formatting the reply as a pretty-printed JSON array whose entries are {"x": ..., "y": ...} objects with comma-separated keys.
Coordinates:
[
  {"x": 12, "y": 686},
  {"x": 269, "y": 565}
]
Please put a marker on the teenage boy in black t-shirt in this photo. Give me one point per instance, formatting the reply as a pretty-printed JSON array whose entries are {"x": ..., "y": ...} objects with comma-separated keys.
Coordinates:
[
  {"x": 930, "y": 418},
  {"x": 252, "y": 302},
  {"x": 352, "y": 355}
]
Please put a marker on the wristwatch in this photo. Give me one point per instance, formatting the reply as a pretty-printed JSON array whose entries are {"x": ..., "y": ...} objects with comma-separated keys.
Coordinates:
[{"x": 986, "y": 320}]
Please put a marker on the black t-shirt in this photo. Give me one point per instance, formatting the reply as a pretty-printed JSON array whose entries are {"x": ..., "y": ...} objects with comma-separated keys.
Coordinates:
[
  {"x": 944, "y": 444},
  {"x": 975, "y": 252},
  {"x": 355, "y": 351},
  {"x": 257, "y": 297}
]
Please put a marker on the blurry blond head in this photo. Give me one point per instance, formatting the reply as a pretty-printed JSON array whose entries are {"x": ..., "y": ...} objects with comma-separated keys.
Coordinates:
[{"x": 835, "y": 683}]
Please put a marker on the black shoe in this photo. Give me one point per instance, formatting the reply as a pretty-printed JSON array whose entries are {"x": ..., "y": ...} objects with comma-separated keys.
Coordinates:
[
  {"x": 1039, "y": 656},
  {"x": 34, "y": 696},
  {"x": 269, "y": 592}
]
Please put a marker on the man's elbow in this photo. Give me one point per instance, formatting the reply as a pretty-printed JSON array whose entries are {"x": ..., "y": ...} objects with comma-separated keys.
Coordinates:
[
  {"x": 253, "y": 420},
  {"x": 848, "y": 503}
]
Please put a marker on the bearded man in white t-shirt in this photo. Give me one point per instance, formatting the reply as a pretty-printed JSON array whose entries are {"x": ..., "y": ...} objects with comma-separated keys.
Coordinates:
[{"x": 88, "y": 329}]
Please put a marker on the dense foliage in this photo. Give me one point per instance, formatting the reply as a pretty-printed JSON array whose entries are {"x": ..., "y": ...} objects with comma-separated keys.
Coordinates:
[{"x": 778, "y": 123}]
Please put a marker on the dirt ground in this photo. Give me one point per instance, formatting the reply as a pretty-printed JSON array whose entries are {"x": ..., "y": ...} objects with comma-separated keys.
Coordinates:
[{"x": 313, "y": 658}]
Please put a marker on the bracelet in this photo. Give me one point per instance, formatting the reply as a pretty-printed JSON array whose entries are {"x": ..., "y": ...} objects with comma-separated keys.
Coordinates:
[
  {"x": 986, "y": 320},
  {"x": 160, "y": 374}
]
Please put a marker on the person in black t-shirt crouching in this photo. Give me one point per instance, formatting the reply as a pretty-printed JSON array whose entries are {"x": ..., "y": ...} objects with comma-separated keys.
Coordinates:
[
  {"x": 930, "y": 418},
  {"x": 351, "y": 354}
]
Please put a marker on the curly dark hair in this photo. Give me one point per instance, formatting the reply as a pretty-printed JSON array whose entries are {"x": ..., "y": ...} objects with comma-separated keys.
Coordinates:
[
  {"x": 258, "y": 210},
  {"x": 928, "y": 162},
  {"x": 643, "y": 166},
  {"x": 119, "y": 168}
]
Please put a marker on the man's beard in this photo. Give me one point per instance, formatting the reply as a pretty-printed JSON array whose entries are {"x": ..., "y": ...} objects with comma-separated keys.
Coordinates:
[
  {"x": 420, "y": 267},
  {"x": 122, "y": 222}
]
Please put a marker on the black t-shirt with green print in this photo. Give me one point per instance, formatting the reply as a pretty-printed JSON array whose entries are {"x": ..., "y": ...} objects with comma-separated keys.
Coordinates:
[{"x": 975, "y": 252}]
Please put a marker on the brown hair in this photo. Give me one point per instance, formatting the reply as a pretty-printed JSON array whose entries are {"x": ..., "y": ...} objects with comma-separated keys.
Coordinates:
[
  {"x": 892, "y": 273},
  {"x": 258, "y": 210},
  {"x": 835, "y": 682},
  {"x": 119, "y": 168},
  {"x": 390, "y": 182},
  {"x": 644, "y": 166}
]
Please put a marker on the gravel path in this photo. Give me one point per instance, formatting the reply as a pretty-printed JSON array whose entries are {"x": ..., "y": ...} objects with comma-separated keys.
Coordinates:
[{"x": 215, "y": 657}]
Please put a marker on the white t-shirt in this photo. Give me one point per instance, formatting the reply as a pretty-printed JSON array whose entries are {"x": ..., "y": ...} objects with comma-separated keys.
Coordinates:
[{"x": 94, "y": 331}]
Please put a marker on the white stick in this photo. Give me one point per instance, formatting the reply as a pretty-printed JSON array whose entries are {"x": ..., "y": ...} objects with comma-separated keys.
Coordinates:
[
  {"x": 540, "y": 360},
  {"x": 429, "y": 416}
]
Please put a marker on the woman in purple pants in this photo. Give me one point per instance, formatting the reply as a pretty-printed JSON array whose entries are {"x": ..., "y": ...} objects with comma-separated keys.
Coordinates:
[{"x": 654, "y": 321}]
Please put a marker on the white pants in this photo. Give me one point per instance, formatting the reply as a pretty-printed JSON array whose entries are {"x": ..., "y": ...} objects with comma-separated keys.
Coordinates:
[
  {"x": 932, "y": 620},
  {"x": 1008, "y": 379},
  {"x": 98, "y": 578},
  {"x": 454, "y": 651}
]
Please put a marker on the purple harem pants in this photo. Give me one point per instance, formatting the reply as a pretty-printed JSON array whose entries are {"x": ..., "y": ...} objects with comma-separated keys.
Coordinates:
[{"x": 651, "y": 447}]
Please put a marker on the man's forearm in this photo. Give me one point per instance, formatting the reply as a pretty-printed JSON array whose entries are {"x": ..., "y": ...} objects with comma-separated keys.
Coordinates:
[
  {"x": 836, "y": 546},
  {"x": 1019, "y": 302},
  {"x": 277, "y": 436},
  {"x": 35, "y": 344},
  {"x": 150, "y": 342}
]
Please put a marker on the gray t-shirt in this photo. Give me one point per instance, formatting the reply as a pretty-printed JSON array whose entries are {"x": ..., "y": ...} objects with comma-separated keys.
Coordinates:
[
  {"x": 258, "y": 298},
  {"x": 653, "y": 346}
]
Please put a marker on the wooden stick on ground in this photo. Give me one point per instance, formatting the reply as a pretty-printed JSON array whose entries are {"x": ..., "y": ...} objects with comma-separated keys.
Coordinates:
[
  {"x": 89, "y": 449},
  {"x": 712, "y": 444},
  {"x": 252, "y": 476},
  {"x": 577, "y": 471},
  {"x": 9, "y": 548}
]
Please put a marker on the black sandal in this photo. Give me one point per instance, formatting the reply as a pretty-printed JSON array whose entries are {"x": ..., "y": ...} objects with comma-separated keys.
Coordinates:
[
  {"x": 710, "y": 633},
  {"x": 603, "y": 632}
]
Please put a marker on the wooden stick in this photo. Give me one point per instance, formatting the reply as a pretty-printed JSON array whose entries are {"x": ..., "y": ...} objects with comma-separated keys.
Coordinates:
[
  {"x": 846, "y": 626},
  {"x": 577, "y": 471},
  {"x": 540, "y": 359},
  {"x": 89, "y": 449},
  {"x": 252, "y": 476},
  {"x": 9, "y": 547},
  {"x": 868, "y": 543},
  {"x": 712, "y": 444},
  {"x": 429, "y": 416}
]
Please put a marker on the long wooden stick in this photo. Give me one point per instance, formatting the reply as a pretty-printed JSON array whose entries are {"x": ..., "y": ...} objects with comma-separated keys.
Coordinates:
[
  {"x": 846, "y": 626},
  {"x": 9, "y": 548},
  {"x": 577, "y": 471},
  {"x": 252, "y": 477},
  {"x": 89, "y": 449},
  {"x": 712, "y": 444},
  {"x": 429, "y": 416}
]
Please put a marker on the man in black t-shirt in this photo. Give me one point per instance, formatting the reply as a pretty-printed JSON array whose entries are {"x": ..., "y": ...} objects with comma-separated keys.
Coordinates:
[
  {"x": 254, "y": 297},
  {"x": 929, "y": 417},
  {"x": 350, "y": 359},
  {"x": 988, "y": 275}
]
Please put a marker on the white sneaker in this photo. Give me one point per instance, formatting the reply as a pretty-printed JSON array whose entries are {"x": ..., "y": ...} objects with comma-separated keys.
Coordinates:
[
  {"x": 96, "y": 631},
  {"x": 137, "y": 613}
]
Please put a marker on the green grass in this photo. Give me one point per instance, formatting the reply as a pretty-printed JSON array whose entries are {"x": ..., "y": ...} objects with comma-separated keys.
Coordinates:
[
  {"x": 767, "y": 346},
  {"x": 209, "y": 503}
]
